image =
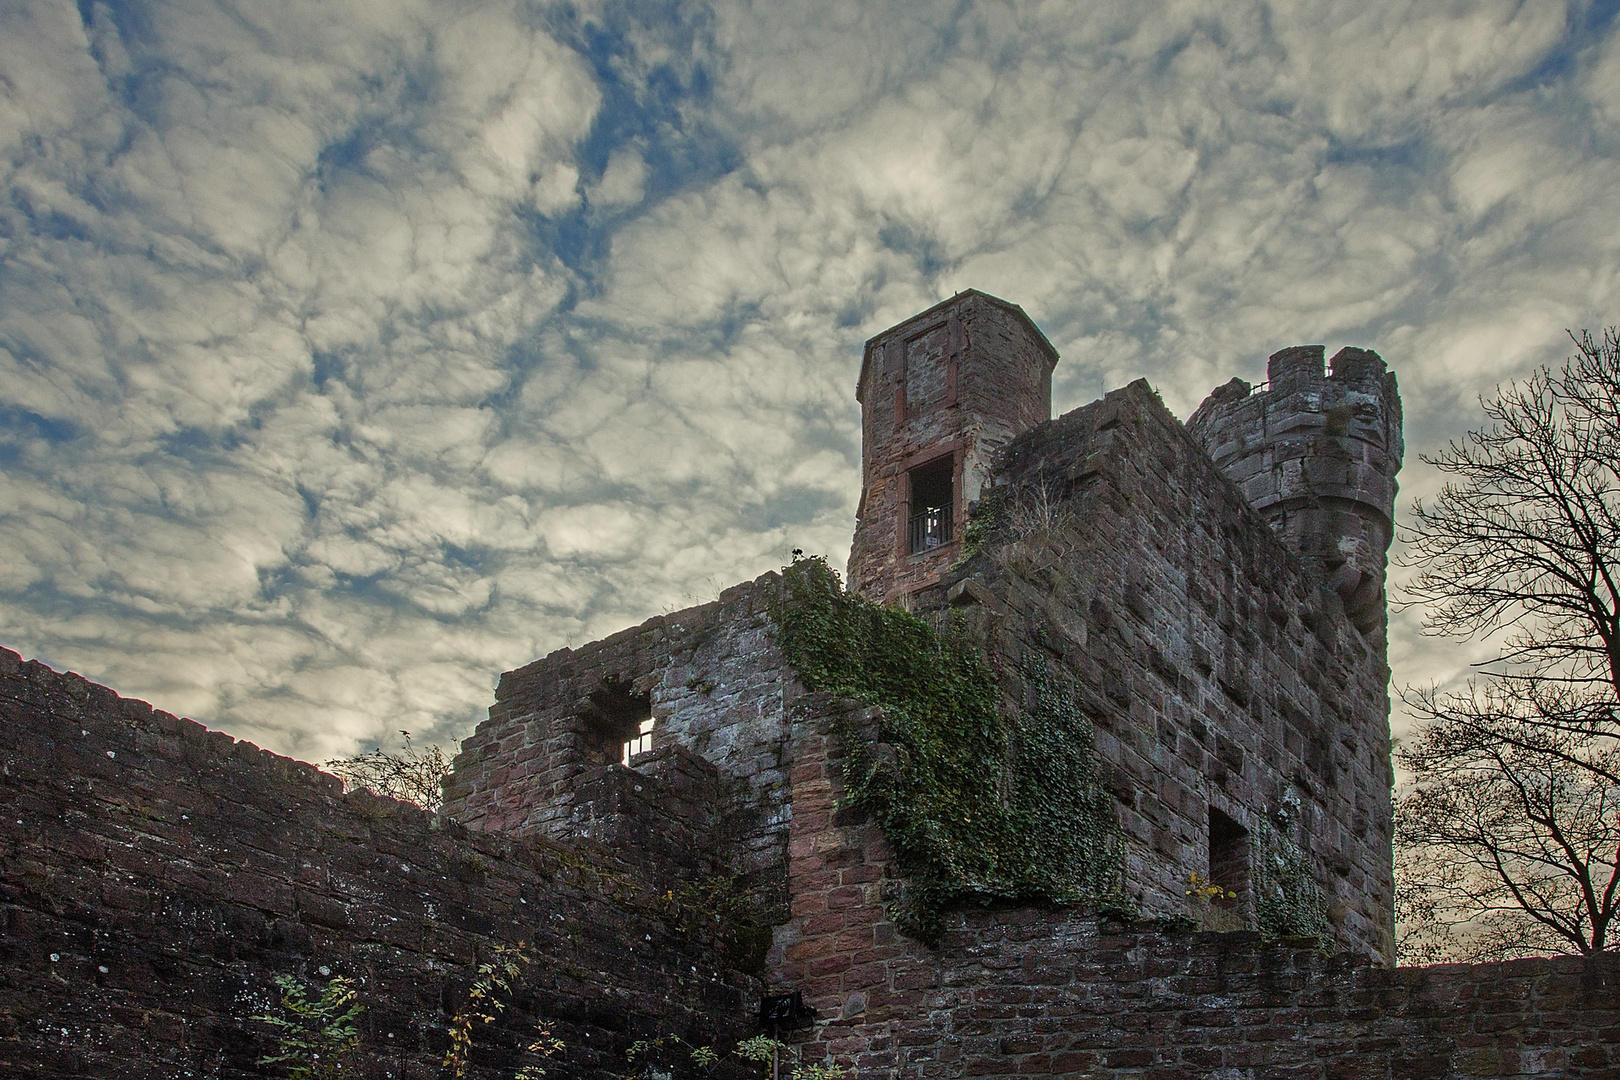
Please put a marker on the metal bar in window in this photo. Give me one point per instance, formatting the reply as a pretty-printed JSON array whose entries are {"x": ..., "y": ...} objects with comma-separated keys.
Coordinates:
[{"x": 930, "y": 529}]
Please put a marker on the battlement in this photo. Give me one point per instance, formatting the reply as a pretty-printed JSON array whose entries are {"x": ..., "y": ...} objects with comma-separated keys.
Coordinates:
[{"x": 1316, "y": 453}]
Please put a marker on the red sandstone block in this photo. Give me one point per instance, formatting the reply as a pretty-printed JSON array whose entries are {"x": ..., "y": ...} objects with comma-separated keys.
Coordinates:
[
  {"x": 799, "y": 952},
  {"x": 857, "y": 875},
  {"x": 878, "y": 954},
  {"x": 861, "y": 976},
  {"x": 828, "y": 923},
  {"x": 828, "y": 965},
  {"x": 808, "y": 904},
  {"x": 812, "y": 821},
  {"x": 808, "y": 775},
  {"x": 869, "y": 915},
  {"x": 1589, "y": 1057},
  {"x": 1128, "y": 1058},
  {"x": 820, "y": 881},
  {"x": 846, "y": 896},
  {"x": 918, "y": 978},
  {"x": 1357, "y": 1066},
  {"x": 805, "y": 865},
  {"x": 1073, "y": 1063},
  {"x": 854, "y": 939}
]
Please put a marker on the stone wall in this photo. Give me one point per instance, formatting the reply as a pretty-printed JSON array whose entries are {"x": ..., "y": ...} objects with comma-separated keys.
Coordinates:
[
  {"x": 715, "y": 685},
  {"x": 1316, "y": 454},
  {"x": 1019, "y": 992},
  {"x": 1220, "y": 679},
  {"x": 155, "y": 876}
]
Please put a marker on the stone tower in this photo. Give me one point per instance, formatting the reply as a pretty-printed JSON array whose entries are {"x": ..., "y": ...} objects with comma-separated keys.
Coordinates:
[
  {"x": 939, "y": 394},
  {"x": 1316, "y": 454}
]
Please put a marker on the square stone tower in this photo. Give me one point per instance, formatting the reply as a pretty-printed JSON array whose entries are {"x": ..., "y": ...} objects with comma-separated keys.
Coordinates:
[{"x": 939, "y": 394}]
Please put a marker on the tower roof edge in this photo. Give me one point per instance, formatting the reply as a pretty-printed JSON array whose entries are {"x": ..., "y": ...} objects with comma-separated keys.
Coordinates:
[{"x": 1039, "y": 335}]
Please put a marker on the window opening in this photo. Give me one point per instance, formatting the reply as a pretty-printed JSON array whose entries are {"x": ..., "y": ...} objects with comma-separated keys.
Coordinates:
[
  {"x": 1229, "y": 856},
  {"x": 616, "y": 714},
  {"x": 641, "y": 743},
  {"x": 932, "y": 497}
]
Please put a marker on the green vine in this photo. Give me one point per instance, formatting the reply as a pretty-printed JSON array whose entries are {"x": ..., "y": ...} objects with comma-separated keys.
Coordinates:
[
  {"x": 976, "y": 804},
  {"x": 986, "y": 517},
  {"x": 1287, "y": 900}
]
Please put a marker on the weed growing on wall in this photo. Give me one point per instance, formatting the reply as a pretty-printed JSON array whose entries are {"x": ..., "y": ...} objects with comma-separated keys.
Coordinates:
[
  {"x": 486, "y": 998},
  {"x": 313, "y": 1035},
  {"x": 1287, "y": 900},
  {"x": 722, "y": 909},
  {"x": 975, "y": 804},
  {"x": 654, "y": 1059}
]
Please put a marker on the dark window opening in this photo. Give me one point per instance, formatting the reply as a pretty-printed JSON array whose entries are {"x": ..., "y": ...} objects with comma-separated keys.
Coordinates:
[
  {"x": 617, "y": 717},
  {"x": 1229, "y": 857},
  {"x": 933, "y": 493}
]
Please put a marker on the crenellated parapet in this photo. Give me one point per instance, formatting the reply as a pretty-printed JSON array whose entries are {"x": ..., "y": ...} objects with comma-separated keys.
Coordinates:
[{"x": 1316, "y": 453}]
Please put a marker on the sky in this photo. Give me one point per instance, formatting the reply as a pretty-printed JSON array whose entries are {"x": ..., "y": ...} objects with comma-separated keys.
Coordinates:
[{"x": 354, "y": 351}]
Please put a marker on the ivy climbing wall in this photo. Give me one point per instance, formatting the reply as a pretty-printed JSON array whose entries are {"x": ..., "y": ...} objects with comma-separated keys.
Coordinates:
[
  {"x": 1226, "y": 687},
  {"x": 1020, "y": 991},
  {"x": 156, "y": 876}
]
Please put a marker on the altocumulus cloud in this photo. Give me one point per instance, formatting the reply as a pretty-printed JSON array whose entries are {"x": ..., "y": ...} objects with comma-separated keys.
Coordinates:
[{"x": 352, "y": 352}]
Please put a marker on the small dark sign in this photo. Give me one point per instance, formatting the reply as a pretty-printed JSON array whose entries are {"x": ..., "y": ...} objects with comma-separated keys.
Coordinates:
[{"x": 779, "y": 1011}]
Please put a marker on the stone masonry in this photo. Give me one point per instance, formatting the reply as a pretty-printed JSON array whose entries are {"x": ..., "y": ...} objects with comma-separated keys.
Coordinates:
[
  {"x": 156, "y": 876},
  {"x": 1317, "y": 456},
  {"x": 1226, "y": 688},
  {"x": 948, "y": 387}
]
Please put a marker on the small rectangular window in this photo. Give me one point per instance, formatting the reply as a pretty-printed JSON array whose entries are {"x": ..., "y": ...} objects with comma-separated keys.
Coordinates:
[
  {"x": 933, "y": 495},
  {"x": 640, "y": 744},
  {"x": 1229, "y": 855}
]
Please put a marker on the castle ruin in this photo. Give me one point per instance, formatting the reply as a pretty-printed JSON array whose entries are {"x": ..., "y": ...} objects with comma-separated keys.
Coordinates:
[{"x": 1183, "y": 623}]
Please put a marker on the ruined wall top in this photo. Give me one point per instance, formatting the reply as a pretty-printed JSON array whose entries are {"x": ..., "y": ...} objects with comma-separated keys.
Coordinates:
[{"x": 1316, "y": 453}]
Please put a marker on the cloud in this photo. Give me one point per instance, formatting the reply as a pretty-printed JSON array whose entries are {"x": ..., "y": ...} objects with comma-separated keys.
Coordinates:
[{"x": 351, "y": 353}]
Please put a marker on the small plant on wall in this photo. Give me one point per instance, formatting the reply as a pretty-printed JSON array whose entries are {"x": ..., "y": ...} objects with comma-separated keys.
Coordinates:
[
  {"x": 487, "y": 998},
  {"x": 1211, "y": 903},
  {"x": 313, "y": 1034},
  {"x": 653, "y": 1059}
]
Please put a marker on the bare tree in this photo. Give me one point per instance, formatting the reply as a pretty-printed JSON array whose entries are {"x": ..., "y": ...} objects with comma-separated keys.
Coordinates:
[
  {"x": 413, "y": 775},
  {"x": 1509, "y": 835}
]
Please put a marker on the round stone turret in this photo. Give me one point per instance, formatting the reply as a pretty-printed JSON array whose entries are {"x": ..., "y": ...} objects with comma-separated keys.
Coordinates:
[{"x": 1316, "y": 454}]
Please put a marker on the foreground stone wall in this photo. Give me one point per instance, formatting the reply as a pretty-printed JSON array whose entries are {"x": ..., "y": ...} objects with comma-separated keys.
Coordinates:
[
  {"x": 155, "y": 876},
  {"x": 1020, "y": 992}
]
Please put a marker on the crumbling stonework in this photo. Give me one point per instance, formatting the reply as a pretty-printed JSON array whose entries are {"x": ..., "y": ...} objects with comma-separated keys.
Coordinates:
[
  {"x": 156, "y": 876},
  {"x": 1238, "y": 714},
  {"x": 1225, "y": 687},
  {"x": 547, "y": 762},
  {"x": 1019, "y": 992}
]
